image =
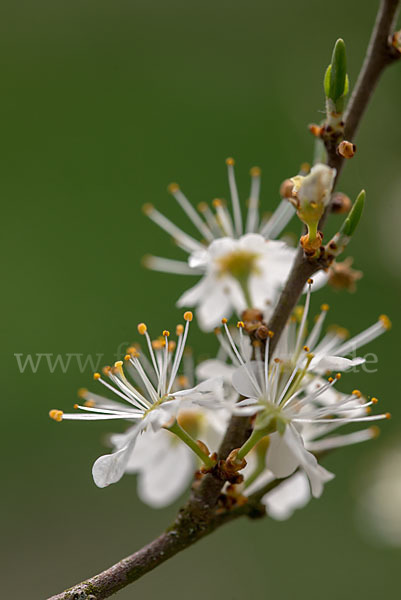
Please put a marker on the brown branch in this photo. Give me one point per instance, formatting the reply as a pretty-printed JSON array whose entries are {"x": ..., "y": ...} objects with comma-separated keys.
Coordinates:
[
  {"x": 380, "y": 54},
  {"x": 202, "y": 515}
]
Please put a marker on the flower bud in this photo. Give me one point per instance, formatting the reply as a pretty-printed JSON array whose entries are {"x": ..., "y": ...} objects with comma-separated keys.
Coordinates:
[
  {"x": 346, "y": 149},
  {"x": 313, "y": 193},
  {"x": 396, "y": 40},
  {"x": 340, "y": 203}
]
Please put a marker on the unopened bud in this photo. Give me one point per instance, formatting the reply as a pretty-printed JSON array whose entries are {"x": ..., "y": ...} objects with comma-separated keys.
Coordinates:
[
  {"x": 313, "y": 193},
  {"x": 340, "y": 203},
  {"x": 396, "y": 40},
  {"x": 316, "y": 130},
  {"x": 346, "y": 149}
]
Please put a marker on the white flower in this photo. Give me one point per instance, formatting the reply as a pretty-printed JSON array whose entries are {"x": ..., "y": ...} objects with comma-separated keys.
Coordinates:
[
  {"x": 283, "y": 403},
  {"x": 152, "y": 400},
  {"x": 240, "y": 266}
]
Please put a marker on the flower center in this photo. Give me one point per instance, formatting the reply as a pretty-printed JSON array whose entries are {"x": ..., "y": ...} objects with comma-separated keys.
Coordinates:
[
  {"x": 271, "y": 418},
  {"x": 239, "y": 264}
]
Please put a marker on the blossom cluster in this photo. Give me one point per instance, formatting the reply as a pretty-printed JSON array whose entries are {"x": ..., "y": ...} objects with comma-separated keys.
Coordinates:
[{"x": 178, "y": 410}]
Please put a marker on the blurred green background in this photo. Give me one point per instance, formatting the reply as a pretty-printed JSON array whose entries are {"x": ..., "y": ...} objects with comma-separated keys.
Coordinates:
[{"x": 103, "y": 104}]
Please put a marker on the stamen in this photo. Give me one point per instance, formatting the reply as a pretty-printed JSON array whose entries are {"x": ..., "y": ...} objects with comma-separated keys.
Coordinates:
[
  {"x": 168, "y": 265},
  {"x": 211, "y": 219},
  {"x": 189, "y": 210},
  {"x": 234, "y": 196},
  {"x": 185, "y": 240},
  {"x": 301, "y": 331},
  {"x": 365, "y": 337},
  {"x": 188, "y": 316},
  {"x": 224, "y": 217},
  {"x": 278, "y": 220},
  {"x": 253, "y": 209}
]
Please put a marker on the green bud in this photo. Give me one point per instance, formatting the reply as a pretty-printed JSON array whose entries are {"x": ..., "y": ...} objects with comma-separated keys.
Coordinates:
[
  {"x": 355, "y": 214},
  {"x": 336, "y": 84}
]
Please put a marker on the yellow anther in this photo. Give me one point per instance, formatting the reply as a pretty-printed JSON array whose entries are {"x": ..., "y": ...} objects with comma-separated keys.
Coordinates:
[
  {"x": 357, "y": 393},
  {"x": 368, "y": 409},
  {"x": 172, "y": 346},
  {"x": 255, "y": 172},
  {"x": 173, "y": 187},
  {"x": 310, "y": 355},
  {"x": 217, "y": 202},
  {"x": 324, "y": 307},
  {"x": 310, "y": 281},
  {"x": 96, "y": 376},
  {"x": 90, "y": 403},
  {"x": 82, "y": 392},
  {"x": 270, "y": 333},
  {"x": 182, "y": 380},
  {"x": 148, "y": 208},
  {"x": 118, "y": 364},
  {"x": 202, "y": 207},
  {"x": 157, "y": 344},
  {"x": 306, "y": 348},
  {"x": 388, "y": 415},
  {"x": 240, "y": 324},
  {"x": 127, "y": 357},
  {"x": 166, "y": 333},
  {"x": 133, "y": 351},
  {"x": 230, "y": 162},
  {"x": 76, "y": 406},
  {"x": 224, "y": 320},
  {"x": 179, "y": 330},
  {"x": 385, "y": 321},
  {"x": 330, "y": 380},
  {"x": 338, "y": 375},
  {"x": 277, "y": 360},
  {"x": 142, "y": 329},
  {"x": 56, "y": 415},
  {"x": 374, "y": 400},
  {"x": 188, "y": 316}
]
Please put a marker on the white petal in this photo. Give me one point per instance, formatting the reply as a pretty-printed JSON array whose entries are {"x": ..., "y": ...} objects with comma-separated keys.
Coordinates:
[
  {"x": 335, "y": 363},
  {"x": 242, "y": 381},
  {"x": 317, "y": 474},
  {"x": 280, "y": 458},
  {"x": 288, "y": 496},
  {"x": 216, "y": 304},
  {"x": 215, "y": 368},
  {"x": 168, "y": 475},
  {"x": 196, "y": 293},
  {"x": 209, "y": 392},
  {"x": 110, "y": 468}
]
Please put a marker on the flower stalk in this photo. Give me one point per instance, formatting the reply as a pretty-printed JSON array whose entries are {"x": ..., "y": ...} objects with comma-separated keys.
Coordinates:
[{"x": 191, "y": 443}]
